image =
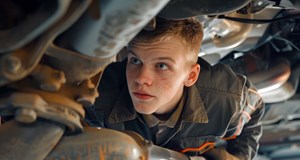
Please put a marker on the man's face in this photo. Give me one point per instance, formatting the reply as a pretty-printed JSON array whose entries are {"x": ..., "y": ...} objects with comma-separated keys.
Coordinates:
[{"x": 156, "y": 75}]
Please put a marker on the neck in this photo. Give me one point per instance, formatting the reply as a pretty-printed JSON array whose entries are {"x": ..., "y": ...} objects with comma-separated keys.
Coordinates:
[
  {"x": 165, "y": 116},
  {"x": 170, "y": 107}
]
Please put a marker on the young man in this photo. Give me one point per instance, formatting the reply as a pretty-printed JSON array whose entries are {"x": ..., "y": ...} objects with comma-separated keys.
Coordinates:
[{"x": 160, "y": 93}]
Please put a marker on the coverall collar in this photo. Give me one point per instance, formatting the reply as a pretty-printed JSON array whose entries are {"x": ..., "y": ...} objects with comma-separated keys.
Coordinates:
[{"x": 152, "y": 120}]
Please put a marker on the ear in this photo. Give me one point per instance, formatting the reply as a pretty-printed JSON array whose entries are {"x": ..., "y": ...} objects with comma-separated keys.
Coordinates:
[{"x": 193, "y": 75}]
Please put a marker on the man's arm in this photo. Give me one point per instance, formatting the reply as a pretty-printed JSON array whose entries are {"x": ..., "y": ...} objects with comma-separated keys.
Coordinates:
[{"x": 245, "y": 146}]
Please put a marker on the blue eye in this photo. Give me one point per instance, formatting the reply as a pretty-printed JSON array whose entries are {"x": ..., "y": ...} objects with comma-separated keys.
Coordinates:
[
  {"x": 162, "y": 66},
  {"x": 135, "y": 61}
]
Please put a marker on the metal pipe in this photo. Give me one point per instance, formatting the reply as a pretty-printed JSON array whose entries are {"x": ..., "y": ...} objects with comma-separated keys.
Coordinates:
[
  {"x": 284, "y": 92},
  {"x": 272, "y": 78},
  {"x": 227, "y": 34},
  {"x": 160, "y": 153},
  {"x": 155, "y": 152},
  {"x": 28, "y": 141},
  {"x": 120, "y": 21},
  {"x": 110, "y": 144}
]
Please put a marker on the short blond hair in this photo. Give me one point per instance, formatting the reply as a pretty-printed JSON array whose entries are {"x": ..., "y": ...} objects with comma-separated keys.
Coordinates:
[{"x": 188, "y": 30}]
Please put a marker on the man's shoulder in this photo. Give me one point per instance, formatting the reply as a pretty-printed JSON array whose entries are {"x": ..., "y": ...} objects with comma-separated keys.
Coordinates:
[
  {"x": 111, "y": 85},
  {"x": 114, "y": 76},
  {"x": 219, "y": 78}
]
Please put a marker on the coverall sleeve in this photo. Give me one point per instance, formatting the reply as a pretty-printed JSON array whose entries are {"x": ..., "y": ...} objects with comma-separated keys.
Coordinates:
[{"x": 245, "y": 145}]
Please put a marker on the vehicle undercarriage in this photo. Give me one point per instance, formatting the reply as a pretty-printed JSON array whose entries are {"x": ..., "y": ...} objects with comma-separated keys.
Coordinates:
[{"x": 53, "y": 52}]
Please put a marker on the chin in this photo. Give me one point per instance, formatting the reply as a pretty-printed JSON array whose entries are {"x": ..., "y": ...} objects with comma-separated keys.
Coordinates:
[{"x": 142, "y": 110}]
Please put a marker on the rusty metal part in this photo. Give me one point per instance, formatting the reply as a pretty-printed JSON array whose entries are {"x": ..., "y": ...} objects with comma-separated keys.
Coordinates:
[
  {"x": 27, "y": 107},
  {"x": 27, "y": 142},
  {"x": 12, "y": 66},
  {"x": 25, "y": 115},
  {"x": 77, "y": 67},
  {"x": 62, "y": 103},
  {"x": 59, "y": 100},
  {"x": 107, "y": 144},
  {"x": 48, "y": 78},
  {"x": 88, "y": 97},
  {"x": 178, "y": 9},
  {"x": 103, "y": 144},
  {"x": 31, "y": 54}
]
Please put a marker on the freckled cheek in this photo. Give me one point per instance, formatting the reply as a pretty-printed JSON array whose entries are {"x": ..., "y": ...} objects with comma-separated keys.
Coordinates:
[
  {"x": 130, "y": 74},
  {"x": 164, "y": 84}
]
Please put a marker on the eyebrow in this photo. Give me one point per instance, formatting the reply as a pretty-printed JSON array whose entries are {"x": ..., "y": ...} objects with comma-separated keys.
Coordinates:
[
  {"x": 158, "y": 58},
  {"x": 132, "y": 53}
]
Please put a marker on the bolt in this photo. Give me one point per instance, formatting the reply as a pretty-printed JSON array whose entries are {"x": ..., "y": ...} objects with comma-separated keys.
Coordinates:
[
  {"x": 25, "y": 115},
  {"x": 12, "y": 64},
  {"x": 86, "y": 100},
  {"x": 218, "y": 36}
]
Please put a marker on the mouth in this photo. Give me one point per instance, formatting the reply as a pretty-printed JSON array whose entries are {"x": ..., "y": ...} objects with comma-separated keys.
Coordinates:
[{"x": 142, "y": 95}]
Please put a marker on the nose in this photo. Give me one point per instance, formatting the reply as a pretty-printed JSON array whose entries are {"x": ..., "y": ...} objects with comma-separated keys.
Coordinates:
[{"x": 144, "y": 76}]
